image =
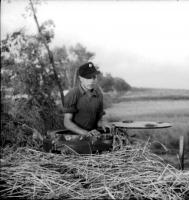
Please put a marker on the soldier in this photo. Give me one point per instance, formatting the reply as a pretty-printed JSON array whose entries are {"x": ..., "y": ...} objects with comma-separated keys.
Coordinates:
[
  {"x": 84, "y": 104},
  {"x": 83, "y": 108}
]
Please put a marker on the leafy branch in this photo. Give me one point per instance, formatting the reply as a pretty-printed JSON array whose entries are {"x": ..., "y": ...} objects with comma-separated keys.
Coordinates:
[{"x": 50, "y": 54}]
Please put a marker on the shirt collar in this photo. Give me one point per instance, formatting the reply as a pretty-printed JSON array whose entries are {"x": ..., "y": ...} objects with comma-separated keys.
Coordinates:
[{"x": 93, "y": 92}]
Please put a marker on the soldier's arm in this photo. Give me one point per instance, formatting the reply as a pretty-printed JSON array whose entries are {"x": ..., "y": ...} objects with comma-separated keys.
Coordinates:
[{"x": 70, "y": 125}]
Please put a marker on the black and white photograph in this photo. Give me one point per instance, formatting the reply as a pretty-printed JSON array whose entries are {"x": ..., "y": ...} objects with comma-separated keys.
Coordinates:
[{"x": 94, "y": 99}]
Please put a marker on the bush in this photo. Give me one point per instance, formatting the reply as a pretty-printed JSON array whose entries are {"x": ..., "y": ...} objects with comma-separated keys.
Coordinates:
[
  {"x": 26, "y": 115},
  {"x": 13, "y": 133}
]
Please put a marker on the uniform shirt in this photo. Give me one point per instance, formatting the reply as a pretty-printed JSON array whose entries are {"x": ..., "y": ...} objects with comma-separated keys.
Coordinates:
[{"x": 86, "y": 106}]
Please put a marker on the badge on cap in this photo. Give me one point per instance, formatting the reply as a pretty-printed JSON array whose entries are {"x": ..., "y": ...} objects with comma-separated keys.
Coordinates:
[{"x": 90, "y": 65}]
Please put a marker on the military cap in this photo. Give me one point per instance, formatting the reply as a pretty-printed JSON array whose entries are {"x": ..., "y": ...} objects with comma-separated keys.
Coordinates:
[{"x": 88, "y": 70}]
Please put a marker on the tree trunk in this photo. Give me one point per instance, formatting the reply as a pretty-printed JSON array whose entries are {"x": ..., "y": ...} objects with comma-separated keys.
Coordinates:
[
  {"x": 75, "y": 79},
  {"x": 51, "y": 58}
]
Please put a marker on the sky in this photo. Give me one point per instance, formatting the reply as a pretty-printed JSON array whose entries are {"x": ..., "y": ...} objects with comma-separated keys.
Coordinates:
[{"x": 144, "y": 42}]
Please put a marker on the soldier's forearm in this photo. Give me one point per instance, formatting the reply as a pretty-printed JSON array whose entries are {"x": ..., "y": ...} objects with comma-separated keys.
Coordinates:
[{"x": 74, "y": 128}]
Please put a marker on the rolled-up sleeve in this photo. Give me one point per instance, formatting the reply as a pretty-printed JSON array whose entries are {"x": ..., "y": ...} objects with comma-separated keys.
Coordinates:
[
  {"x": 101, "y": 111},
  {"x": 70, "y": 101}
]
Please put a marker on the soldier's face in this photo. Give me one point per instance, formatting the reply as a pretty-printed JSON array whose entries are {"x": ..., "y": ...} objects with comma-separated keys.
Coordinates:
[{"x": 88, "y": 83}]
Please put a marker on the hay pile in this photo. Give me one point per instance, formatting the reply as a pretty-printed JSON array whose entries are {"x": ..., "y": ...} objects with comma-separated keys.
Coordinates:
[{"x": 130, "y": 173}]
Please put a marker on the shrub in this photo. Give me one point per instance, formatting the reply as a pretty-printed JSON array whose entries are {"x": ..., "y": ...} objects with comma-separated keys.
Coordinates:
[{"x": 26, "y": 115}]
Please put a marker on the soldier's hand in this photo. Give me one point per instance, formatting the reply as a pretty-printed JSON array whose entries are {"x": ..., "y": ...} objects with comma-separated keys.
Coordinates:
[{"x": 94, "y": 133}]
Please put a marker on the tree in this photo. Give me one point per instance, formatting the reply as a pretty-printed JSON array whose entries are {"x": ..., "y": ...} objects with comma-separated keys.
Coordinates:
[
  {"x": 68, "y": 60},
  {"x": 46, "y": 38},
  {"x": 109, "y": 83},
  {"x": 26, "y": 71},
  {"x": 106, "y": 82},
  {"x": 121, "y": 85}
]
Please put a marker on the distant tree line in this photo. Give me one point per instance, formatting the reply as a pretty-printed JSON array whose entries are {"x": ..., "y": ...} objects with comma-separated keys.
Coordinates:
[{"x": 109, "y": 83}]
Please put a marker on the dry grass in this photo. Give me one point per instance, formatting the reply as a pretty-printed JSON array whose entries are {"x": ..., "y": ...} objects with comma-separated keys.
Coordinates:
[{"x": 130, "y": 173}]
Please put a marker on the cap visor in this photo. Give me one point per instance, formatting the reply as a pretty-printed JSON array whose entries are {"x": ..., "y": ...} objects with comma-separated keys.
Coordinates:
[{"x": 89, "y": 76}]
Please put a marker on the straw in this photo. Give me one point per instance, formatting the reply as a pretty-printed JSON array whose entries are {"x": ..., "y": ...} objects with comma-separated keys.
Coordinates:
[{"x": 131, "y": 172}]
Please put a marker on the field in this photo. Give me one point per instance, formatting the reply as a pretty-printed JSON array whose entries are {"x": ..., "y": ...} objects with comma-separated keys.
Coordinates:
[{"x": 161, "y": 105}]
